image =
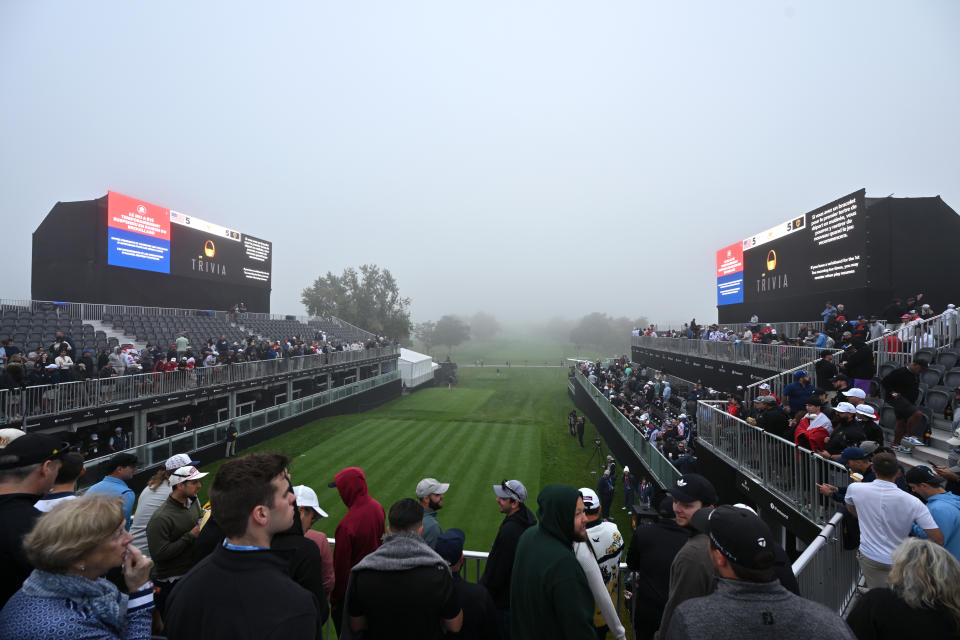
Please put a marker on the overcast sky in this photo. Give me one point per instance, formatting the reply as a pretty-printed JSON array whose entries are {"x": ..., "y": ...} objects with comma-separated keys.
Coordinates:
[{"x": 528, "y": 159}]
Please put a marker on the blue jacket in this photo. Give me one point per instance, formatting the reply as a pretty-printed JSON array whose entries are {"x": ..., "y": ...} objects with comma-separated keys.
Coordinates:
[
  {"x": 605, "y": 486},
  {"x": 797, "y": 394},
  {"x": 945, "y": 509},
  {"x": 111, "y": 486}
]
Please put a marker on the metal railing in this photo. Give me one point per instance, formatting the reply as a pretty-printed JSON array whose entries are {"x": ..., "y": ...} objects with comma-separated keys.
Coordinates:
[
  {"x": 788, "y": 329},
  {"x": 656, "y": 463},
  {"x": 154, "y": 453},
  {"x": 776, "y": 357},
  {"x": 787, "y": 470},
  {"x": 43, "y": 400},
  {"x": 826, "y": 572}
]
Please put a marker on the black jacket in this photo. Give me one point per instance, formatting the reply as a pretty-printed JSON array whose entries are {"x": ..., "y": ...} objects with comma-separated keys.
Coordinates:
[
  {"x": 17, "y": 517},
  {"x": 651, "y": 553},
  {"x": 904, "y": 382},
  {"x": 775, "y": 421},
  {"x": 496, "y": 575},
  {"x": 237, "y": 595},
  {"x": 480, "y": 618},
  {"x": 306, "y": 564},
  {"x": 860, "y": 364}
]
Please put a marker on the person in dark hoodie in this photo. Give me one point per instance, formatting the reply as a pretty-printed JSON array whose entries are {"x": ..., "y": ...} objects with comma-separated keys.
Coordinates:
[
  {"x": 549, "y": 594},
  {"x": 511, "y": 496},
  {"x": 306, "y": 566},
  {"x": 358, "y": 533}
]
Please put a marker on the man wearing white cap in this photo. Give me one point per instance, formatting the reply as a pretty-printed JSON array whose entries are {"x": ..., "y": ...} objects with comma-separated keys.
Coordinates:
[
  {"x": 430, "y": 495},
  {"x": 172, "y": 531},
  {"x": 867, "y": 417},
  {"x": 308, "y": 508},
  {"x": 602, "y": 549},
  {"x": 855, "y": 396},
  {"x": 153, "y": 495}
]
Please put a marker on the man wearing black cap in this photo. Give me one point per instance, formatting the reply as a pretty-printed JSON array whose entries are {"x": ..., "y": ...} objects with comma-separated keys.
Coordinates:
[
  {"x": 28, "y": 470},
  {"x": 691, "y": 573},
  {"x": 651, "y": 553},
  {"x": 771, "y": 417},
  {"x": 749, "y": 602},
  {"x": 123, "y": 467},
  {"x": 859, "y": 463},
  {"x": 480, "y": 619},
  {"x": 943, "y": 506}
]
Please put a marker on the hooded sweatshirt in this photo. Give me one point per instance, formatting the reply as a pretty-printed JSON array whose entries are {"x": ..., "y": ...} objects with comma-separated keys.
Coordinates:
[
  {"x": 549, "y": 593},
  {"x": 359, "y": 532}
]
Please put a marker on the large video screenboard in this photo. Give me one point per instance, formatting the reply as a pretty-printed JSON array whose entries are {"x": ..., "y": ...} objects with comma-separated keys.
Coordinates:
[
  {"x": 145, "y": 236},
  {"x": 817, "y": 252}
]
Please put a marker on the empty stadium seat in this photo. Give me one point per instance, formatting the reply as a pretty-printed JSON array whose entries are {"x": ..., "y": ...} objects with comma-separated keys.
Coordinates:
[
  {"x": 925, "y": 354},
  {"x": 948, "y": 359},
  {"x": 938, "y": 399},
  {"x": 888, "y": 418},
  {"x": 952, "y": 378},
  {"x": 884, "y": 369},
  {"x": 933, "y": 374}
]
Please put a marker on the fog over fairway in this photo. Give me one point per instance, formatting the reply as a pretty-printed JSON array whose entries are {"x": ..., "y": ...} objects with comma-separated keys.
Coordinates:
[{"x": 529, "y": 159}]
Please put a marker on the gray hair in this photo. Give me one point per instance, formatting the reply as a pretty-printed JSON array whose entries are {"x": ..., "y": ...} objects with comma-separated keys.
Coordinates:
[{"x": 925, "y": 575}]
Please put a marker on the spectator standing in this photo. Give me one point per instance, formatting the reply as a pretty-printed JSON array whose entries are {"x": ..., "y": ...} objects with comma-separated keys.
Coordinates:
[
  {"x": 798, "y": 392},
  {"x": 232, "y": 436},
  {"x": 770, "y": 417},
  {"x": 404, "y": 588},
  {"x": 308, "y": 509},
  {"x": 549, "y": 594},
  {"x": 605, "y": 490},
  {"x": 691, "y": 573},
  {"x": 118, "y": 441},
  {"x": 123, "y": 466},
  {"x": 599, "y": 557},
  {"x": 749, "y": 601},
  {"x": 28, "y": 469},
  {"x": 922, "y": 599},
  {"x": 629, "y": 488},
  {"x": 581, "y": 427},
  {"x": 430, "y": 493},
  {"x": 65, "y": 486},
  {"x": 650, "y": 555},
  {"x": 153, "y": 496},
  {"x": 358, "y": 533},
  {"x": 943, "y": 506},
  {"x": 645, "y": 492},
  {"x": 173, "y": 529},
  {"x": 886, "y": 516},
  {"x": 242, "y": 590},
  {"x": 497, "y": 574},
  {"x": 182, "y": 343},
  {"x": 903, "y": 388},
  {"x": 480, "y": 618}
]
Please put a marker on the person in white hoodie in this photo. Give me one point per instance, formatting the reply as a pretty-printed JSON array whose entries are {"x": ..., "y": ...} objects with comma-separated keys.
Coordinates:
[{"x": 599, "y": 557}]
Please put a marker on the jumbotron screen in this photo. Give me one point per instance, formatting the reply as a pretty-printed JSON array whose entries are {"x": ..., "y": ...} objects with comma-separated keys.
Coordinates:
[
  {"x": 816, "y": 252},
  {"x": 145, "y": 236}
]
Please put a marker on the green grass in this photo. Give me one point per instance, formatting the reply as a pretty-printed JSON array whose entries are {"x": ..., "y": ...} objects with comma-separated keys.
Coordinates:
[
  {"x": 517, "y": 350},
  {"x": 487, "y": 428}
]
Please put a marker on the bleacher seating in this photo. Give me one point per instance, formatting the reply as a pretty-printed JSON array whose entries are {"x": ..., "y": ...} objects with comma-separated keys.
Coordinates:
[{"x": 32, "y": 329}]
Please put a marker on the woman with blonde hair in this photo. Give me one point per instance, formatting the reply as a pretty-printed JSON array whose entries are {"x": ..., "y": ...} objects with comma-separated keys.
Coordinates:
[
  {"x": 923, "y": 598},
  {"x": 65, "y": 596}
]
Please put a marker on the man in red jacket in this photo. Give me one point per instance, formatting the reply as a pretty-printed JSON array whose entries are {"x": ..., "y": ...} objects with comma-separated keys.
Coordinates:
[
  {"x": 357, "y": 534},
  {"x": 814, "y": 428}
]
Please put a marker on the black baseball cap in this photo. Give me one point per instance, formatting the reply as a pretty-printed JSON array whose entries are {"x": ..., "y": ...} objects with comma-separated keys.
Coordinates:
[
  {"x": 123, "y": 460},
  {"x": 742, "y": 537},
  {"x": 450, "y": 545},
  {"x": 922, "y": 474},
  {"x": 813, "y": 401},
  {"x": 32, "y": 448},
  {"x": 839, "y": 377},
  {"x": 691, "y": 487}
]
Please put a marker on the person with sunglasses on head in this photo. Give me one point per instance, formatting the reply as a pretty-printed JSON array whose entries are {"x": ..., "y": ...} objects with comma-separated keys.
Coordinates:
[{"x": 511, "y": 499}]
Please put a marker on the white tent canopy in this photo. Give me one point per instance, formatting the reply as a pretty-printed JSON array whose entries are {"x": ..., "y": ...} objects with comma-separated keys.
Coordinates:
[{"x": 415, "y": 368}]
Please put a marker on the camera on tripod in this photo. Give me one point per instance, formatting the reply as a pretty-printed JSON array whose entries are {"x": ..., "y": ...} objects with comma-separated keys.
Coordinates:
[{"x": 597, "y": 441}]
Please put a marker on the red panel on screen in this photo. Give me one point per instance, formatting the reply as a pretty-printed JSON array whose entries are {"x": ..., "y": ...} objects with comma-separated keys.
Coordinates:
[
  {"x": 137, "y": 216},
  {"x": 730, "y": 260}
]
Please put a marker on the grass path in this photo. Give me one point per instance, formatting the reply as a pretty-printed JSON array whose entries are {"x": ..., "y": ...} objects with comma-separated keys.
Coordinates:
[{"x": 488, "y": 428}]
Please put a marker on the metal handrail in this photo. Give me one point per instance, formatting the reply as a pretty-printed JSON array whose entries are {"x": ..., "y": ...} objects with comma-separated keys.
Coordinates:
[
  {"x": 776, "y": 357},
  {"x": 826, "y": 572},
  {"x": 659, "y": 467},
  {"x": 151, "y": 454},
  {"x": 52, "y": 399},
  {"x": 782, "y": 467}
]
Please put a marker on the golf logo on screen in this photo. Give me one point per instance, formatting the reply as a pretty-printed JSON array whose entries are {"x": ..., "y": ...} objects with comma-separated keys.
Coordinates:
[
  {"x": 203, "y": 263},
  {"x": 209, "y": 249},
  {"x": 769, "y": 281},
  {"x": 771, "y": 260}
]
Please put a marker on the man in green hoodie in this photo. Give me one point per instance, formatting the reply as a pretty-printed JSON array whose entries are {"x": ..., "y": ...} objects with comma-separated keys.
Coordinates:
[{"x": 549, "y": 594}]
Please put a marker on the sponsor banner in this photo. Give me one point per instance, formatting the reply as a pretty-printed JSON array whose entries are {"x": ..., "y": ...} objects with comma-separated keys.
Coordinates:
[{"x": 724, "y": 376}]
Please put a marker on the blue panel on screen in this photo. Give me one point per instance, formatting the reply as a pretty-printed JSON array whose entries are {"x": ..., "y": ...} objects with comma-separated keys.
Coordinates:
[
  {"x": 730, "y": 289},
  {"x": 137, "y": 251}
]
